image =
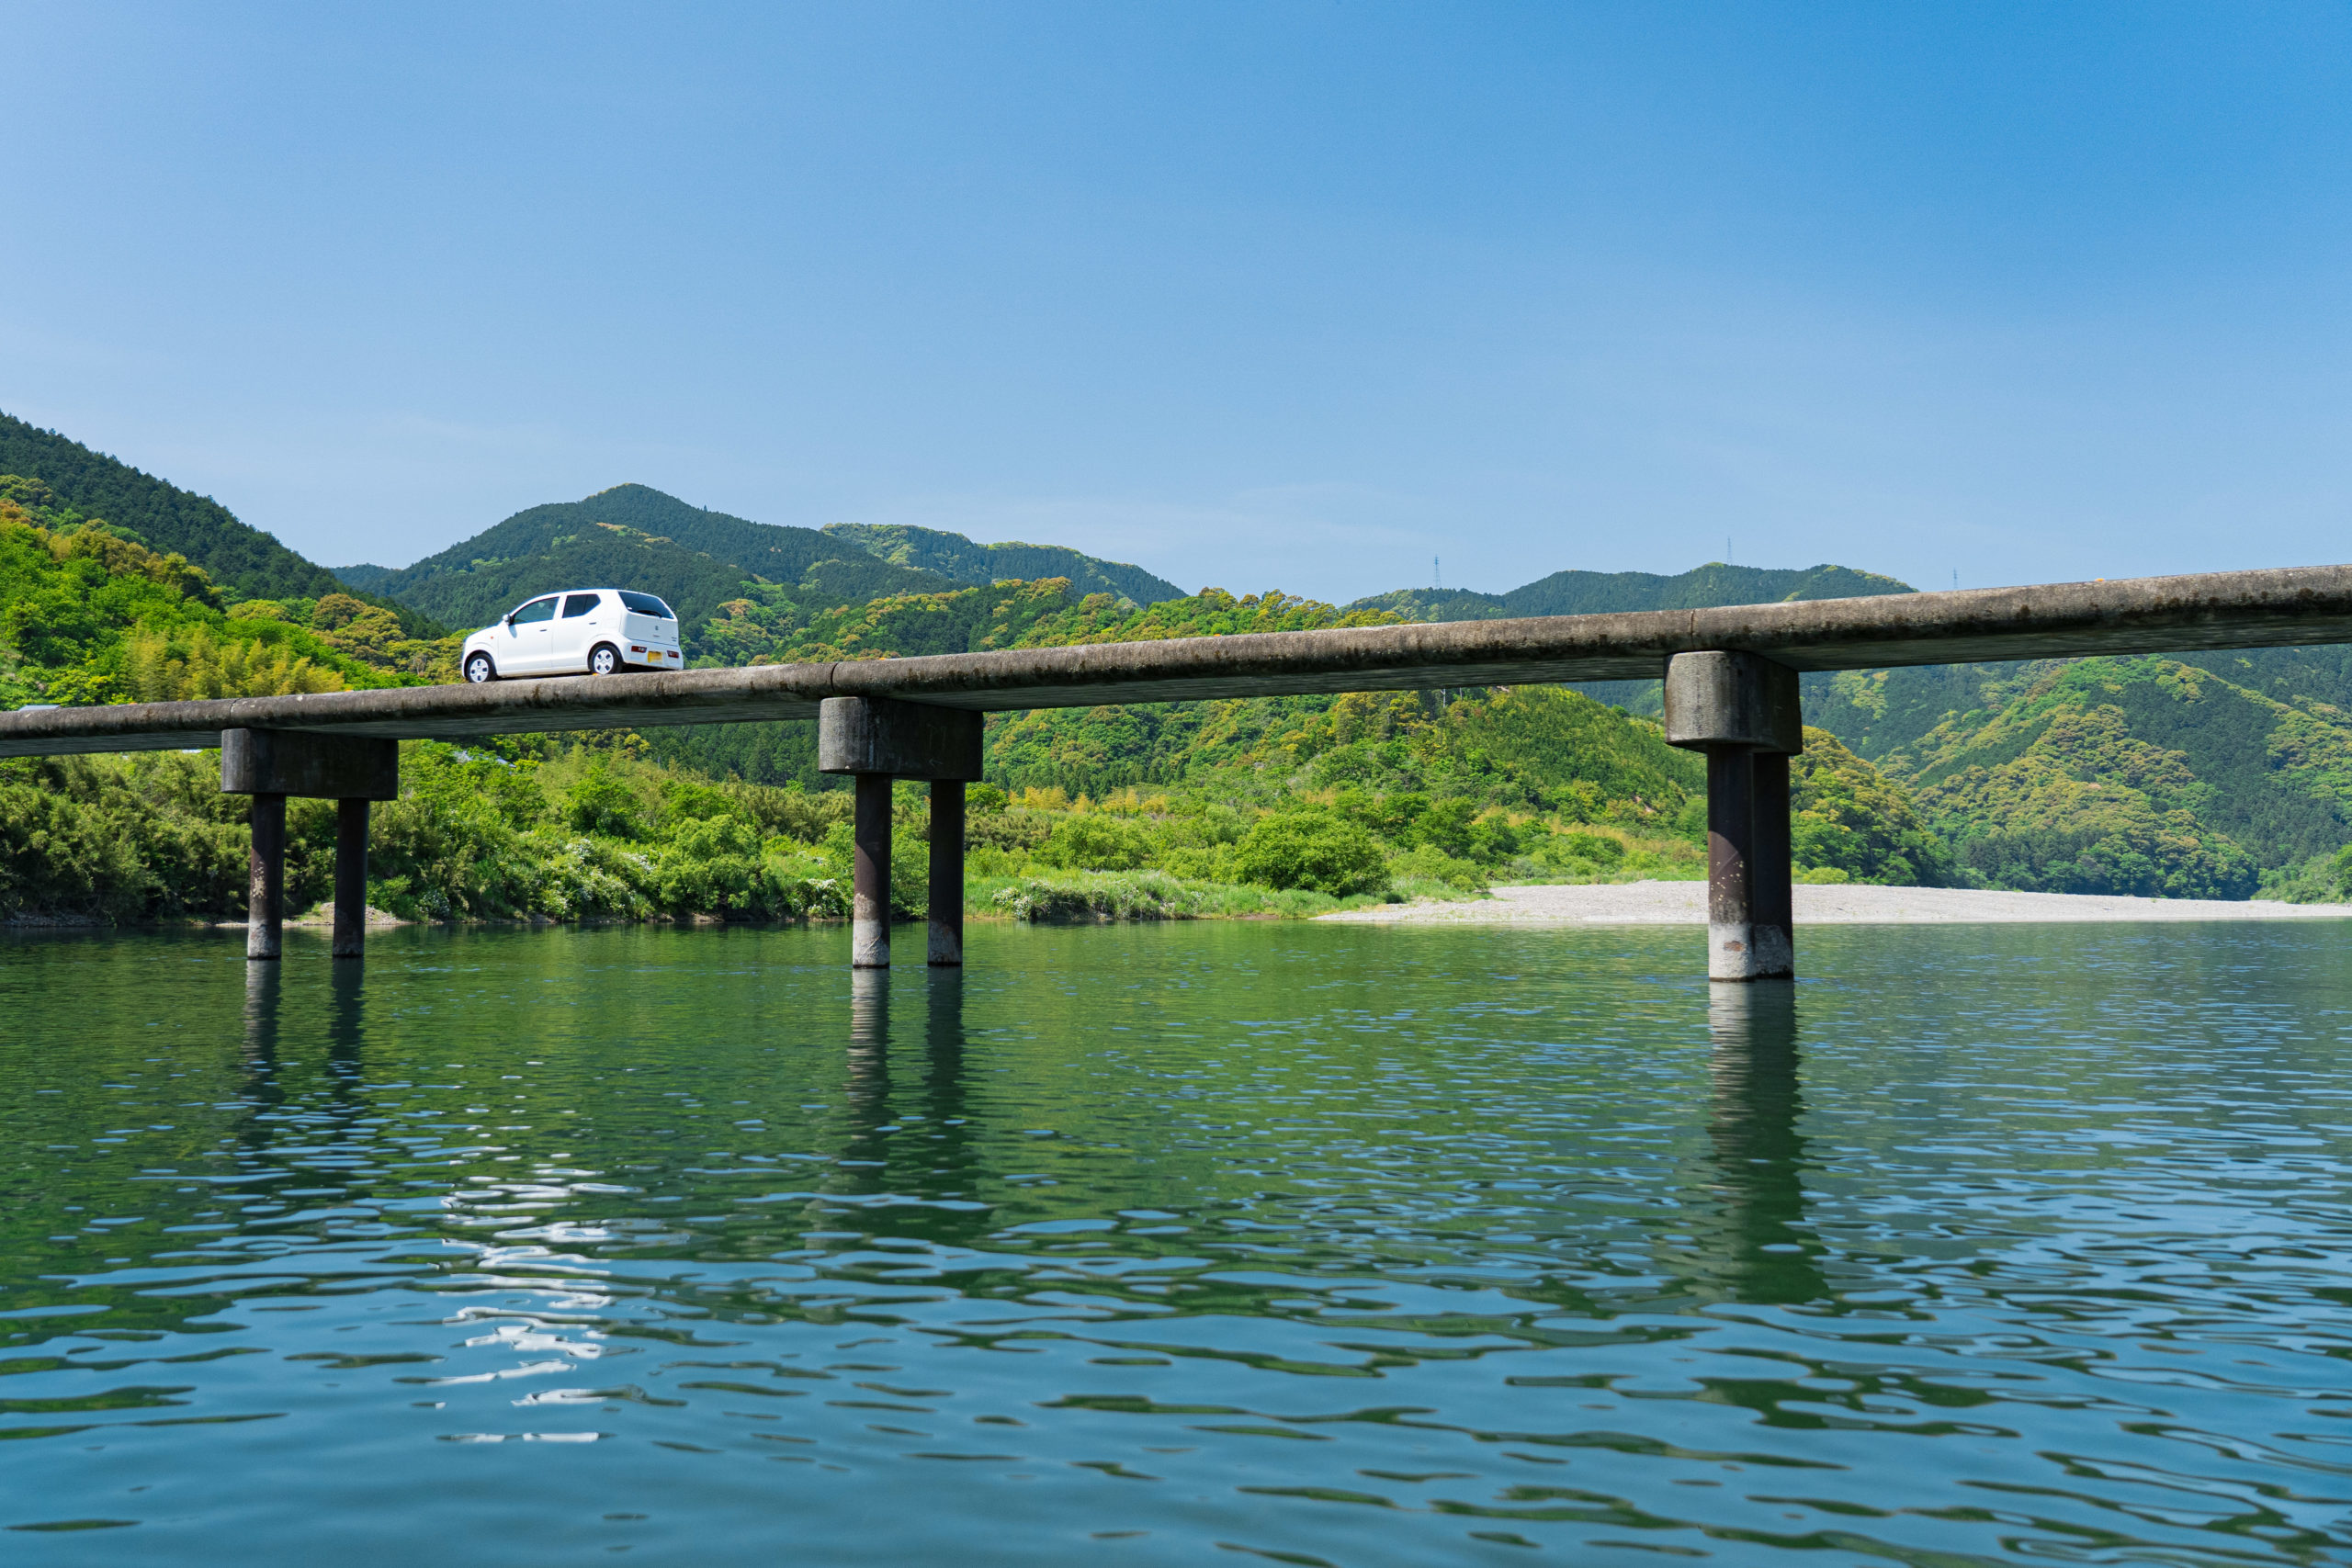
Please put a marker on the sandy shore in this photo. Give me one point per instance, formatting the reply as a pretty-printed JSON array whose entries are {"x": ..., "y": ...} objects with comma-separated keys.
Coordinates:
[{"x": 1685, "y": 903}]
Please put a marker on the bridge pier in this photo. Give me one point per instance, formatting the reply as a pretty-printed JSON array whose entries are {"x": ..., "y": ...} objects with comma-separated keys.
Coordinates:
[
  {"x": 265, "y": 876},
  {"x": 875, "y": 740},
  {"x": 269, "y": 765},
  {"x": 1742, "y": 710}
]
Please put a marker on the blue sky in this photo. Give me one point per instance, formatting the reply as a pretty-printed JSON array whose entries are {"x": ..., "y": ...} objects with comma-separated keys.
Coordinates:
[{"x": 1292, "y": 295}]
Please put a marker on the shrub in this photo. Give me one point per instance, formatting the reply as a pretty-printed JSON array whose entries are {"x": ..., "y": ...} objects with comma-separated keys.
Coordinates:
[
  {"x": 713, "y": 867},
  {"x": 1091, "y": 841},
  {"x": 599, "y": 803},
  {"x": 1430, "y": 863},
  {"x": 1313, "y": 849}
]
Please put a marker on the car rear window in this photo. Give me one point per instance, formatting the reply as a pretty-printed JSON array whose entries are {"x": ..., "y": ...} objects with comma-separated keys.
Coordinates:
[
  {"x": 581, "y": 603},
  {"x": 646, "y": 604}
]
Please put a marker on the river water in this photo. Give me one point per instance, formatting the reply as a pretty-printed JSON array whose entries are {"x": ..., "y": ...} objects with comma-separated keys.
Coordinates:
[{"x": 1178, "y": 1245}]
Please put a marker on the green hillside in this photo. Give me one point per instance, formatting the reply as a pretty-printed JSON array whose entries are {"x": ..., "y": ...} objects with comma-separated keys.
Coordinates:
[
  {"x": 87, "y": 616},
  {"x": 242, "y": 560},
  {"x": 1599, "y": 592},
  {"x": 634, "y": 537},
  {"x": 954, "y": 555},
  {"x": 2145, "y": 775}
]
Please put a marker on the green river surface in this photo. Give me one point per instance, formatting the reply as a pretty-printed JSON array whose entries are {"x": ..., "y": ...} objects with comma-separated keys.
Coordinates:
[{"x": 1179, "y": 1244}]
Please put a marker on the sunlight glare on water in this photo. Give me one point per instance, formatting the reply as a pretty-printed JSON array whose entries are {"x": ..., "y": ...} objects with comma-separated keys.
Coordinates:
[{"x": 1350, "y": 1245}]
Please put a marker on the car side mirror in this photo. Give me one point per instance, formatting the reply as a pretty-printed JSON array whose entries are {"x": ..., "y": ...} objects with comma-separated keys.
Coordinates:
[{"x": 510, "y": 622}]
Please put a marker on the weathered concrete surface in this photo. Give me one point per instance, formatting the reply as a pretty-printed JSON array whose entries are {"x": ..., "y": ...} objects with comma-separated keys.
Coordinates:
[
  {"x": 902, "y": 740},
  {"x": 1742, "y": 710},
  {"x": 265, "y": 878},
  {"x": 869, "y": 944},
  {"x": 317, "y": 767},
  {"x": 351, "y": 873},
  {"x": 1685, "y": 904},
  {"x": 2152, "y": 615},
  {"x": 945, "y": 893},
  {"x": 1732, "y": 699}
]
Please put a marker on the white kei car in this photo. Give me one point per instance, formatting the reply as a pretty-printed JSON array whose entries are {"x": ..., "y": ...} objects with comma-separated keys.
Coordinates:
[{"x": 597, "y": 631}]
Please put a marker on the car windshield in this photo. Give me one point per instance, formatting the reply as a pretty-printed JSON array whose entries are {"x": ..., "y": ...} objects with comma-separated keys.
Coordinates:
[{"x": 646, "y": 604}]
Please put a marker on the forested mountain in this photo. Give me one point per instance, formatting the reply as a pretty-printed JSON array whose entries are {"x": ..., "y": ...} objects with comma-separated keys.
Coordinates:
[
  {"x": 954, "y": 555},
  {"x": 1599, "y": 592},
  {"x": 2199, "y": 776},
  {"x": 700, "y": 560},
  {"x": 242, "y": 559},
  {"x": 635, "y": 537}
]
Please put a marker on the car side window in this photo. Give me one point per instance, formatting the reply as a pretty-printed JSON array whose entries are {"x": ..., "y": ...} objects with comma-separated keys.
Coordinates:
[
  {"x": 537, "y": 610},
  {"x": 581, "y": 603}
]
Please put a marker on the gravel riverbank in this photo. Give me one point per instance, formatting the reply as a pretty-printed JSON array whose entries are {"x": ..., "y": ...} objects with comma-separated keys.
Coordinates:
[{"x": 1685, "y": 903}]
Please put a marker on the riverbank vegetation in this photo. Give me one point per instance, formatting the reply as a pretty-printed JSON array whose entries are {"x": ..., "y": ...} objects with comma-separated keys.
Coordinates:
[{"x": 537, "y": 827}]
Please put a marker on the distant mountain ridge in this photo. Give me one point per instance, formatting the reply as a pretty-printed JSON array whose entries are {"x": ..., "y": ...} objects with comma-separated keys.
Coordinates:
[
  {"x": 700, "y": 559},
  {"x": 1602, "y": 593},
  {"x": 953, "y": 554}
]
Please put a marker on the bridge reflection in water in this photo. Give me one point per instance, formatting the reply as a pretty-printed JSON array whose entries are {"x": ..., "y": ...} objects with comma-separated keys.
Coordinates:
[
  {"x": 1749, "y": 1238},
  {"x": 906, "y": 1144}
]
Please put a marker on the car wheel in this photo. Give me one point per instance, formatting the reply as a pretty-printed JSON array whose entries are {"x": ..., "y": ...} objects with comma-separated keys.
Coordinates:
[
  {"x": 604, "y": 659},
  {"x": 479, "y": 669}
]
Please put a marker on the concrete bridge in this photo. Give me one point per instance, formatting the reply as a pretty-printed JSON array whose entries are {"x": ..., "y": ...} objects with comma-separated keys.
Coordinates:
[{"x": 1731, "y": 693}]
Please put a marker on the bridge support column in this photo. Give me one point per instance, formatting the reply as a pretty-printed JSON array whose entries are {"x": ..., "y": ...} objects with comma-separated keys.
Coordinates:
[
  {"x": 877, "y": 739},
  {"x": 869, "y": 928},
  {"x": 265, "y": 878},
  {"x": 350, "y": 877},
  {"x": 269, "y": 765},
  {"x": 1742, "y": 710},
  {"x": 946, "y": 899}
]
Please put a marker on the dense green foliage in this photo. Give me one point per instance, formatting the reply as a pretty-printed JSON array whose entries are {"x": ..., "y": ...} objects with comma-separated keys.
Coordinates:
[
  {"x": 139, "y": 837},
  {"x": 954, "y": 555},
  {"x": 1318, "y": 849},
  {"x": 523, "y": 829},
  {"x": 2142, "y": 775},
  {"x": 1848, "y": 822},
  {"x": 89, "y": 617}
]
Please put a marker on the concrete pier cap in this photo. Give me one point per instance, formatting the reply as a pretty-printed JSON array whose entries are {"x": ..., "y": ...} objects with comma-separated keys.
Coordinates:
[
  {"x": 899, "y": 740},
  {"x": 1743, "y": 700},
  {"x": 317, "y": 767}
]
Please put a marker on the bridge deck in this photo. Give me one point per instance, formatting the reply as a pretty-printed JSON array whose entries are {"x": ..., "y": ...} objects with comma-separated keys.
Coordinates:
[{"x": 2150, "y": 615}]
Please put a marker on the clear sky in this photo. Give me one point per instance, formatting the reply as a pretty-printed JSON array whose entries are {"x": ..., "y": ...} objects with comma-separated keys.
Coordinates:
[{"x": 1294, "y": 294}]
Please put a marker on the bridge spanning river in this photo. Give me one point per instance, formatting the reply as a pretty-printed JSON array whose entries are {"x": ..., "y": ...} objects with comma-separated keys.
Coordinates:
[{"x": 1731, "y": 693}]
